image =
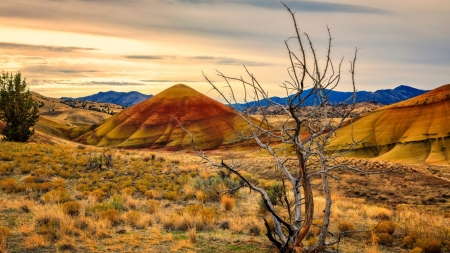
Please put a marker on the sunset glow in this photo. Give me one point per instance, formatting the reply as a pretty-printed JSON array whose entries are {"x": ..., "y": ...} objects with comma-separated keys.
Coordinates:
[{"x": 76, "y": 48}]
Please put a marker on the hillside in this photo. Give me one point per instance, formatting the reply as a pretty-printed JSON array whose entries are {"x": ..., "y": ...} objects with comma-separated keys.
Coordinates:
[
  {"x": 413, "y": 131},
  {"x": 153, "y": 123},
  {"x": 385, "y": 97},
  {"x": 126, "y": 99},
  {"x": 74, "y": 113}
]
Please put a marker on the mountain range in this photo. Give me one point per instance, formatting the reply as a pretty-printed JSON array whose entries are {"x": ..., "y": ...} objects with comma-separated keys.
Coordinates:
[
  {"x": 125, "y": 99},
  {"x": 385, "y": 97}
]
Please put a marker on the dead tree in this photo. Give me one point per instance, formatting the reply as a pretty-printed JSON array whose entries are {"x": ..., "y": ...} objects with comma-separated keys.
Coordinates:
[{"x": 302, "y": 137}]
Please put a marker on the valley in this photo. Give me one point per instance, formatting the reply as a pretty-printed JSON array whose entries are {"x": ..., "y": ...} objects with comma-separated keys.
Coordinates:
[{"x": 91, "y": 182}]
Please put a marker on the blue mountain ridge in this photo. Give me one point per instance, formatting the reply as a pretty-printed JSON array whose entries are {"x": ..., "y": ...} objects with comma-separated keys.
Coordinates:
[
  {"x": 125, "y": 99},
  {"x": 385, "y": 97}
]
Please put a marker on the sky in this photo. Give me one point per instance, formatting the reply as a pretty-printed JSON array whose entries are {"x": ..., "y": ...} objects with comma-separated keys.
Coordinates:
[{"x": 74, "y": 48}]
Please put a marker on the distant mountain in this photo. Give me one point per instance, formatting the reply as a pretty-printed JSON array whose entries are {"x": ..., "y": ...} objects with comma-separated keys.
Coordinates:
[
  {"x": 126, "y": 99},
  {"x": 384, "y": 97}
]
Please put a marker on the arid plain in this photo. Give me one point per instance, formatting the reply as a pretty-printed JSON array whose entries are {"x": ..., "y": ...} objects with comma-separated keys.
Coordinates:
[{"x": 89, "y": 181}]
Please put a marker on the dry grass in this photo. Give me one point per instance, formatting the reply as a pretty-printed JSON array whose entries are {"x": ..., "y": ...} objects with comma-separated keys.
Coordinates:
[
  {"x": 62, "y": 206},
  {"x": 227, "y": 202}
]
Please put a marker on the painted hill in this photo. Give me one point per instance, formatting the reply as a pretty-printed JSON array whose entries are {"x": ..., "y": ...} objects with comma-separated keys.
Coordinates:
[
  {"x": 152, "y": 124},
  {"x": 121, "y": 98},
  {"x": 413, "y": 131},
  {"x": 385, "y": 97}
]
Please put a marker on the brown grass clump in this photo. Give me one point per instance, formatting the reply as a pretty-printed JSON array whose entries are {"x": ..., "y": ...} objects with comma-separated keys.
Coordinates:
[
  {"x": 192, "y": 235},
  {"x": 152, "y": 206},
  {"x": 5, "y": 233},
  {"x": 153, "y": 194},
  {"x": 26, "y": 229},
  {"x": 111, "y": 215},
  {"x": 133, "y": 218},
  {"x": 72, "y": 208},
  {"x": 416, "y": 250},
  {"x": 429, "y": 245},
  {"x": 98, "y": 194},
  {"x": 66, "y": 244},
  {"x": 59, "y": 195},
  {"x": 227, "y": 202},
  {"x": 189, "y": 217},
  {"x": 36, "y": 241},
  {"x": 344, "y": 227},
  {"x": 9, "y": 185},
  {"x": 201, "y": 196},
  {"x": 58, "y": 183},
  {"x": 385, "y": 238},
  {"x": 182, "y": 245},
  {"x": 387, "y": 227}
]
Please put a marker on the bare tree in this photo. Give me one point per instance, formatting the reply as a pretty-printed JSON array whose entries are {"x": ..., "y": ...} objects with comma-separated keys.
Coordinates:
[{"x": 298, "y": 143}]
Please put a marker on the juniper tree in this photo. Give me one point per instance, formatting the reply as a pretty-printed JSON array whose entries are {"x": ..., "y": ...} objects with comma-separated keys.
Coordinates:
[{"x": 18, "y": 110}]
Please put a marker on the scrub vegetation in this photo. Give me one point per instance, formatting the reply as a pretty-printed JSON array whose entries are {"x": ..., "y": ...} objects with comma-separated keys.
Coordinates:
[{"x": 75, "y": 198}]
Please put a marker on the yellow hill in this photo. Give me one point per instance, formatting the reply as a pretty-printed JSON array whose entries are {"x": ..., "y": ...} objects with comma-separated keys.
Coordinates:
[
  {"x": 153, "y": 123},
  {"x": 413, "y": 131}
]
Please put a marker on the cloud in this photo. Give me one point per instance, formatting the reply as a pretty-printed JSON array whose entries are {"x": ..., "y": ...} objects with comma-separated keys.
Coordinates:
[
  {"x": 58, "y": 49},
  {"x": 52, "y": 69},
  {"x": 213, "y": 59},
  {"x": 145, "y": 57},
  {"x": 40, "y": 82},
  {"x": 169, "y": 81},
  {"x": 109, "y": 83},
  {"x": 303, "y": 6}
]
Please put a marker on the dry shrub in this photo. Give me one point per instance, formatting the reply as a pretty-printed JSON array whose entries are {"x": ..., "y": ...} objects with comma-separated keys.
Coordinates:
[
  {"x": 133, "y": 218},
  {"x": 131, "y": 203},
  {"x": 227, "y": 202},
  {"x": 429, "y": 245},
  {"x": 410, "y": 240},
  {"x": 201, "y": 196},
  {"x": 188, "y": 190},
  {"x": 72, "y": 208},
  {"x": 9, "y": 185},
  {"x": 192, "y": 235},
  {"x": 385, "y": 238},
  {"x": 181, "y": 245},
  {"x": 171, "y": 195},
  {"x": 254, "y": 229},
  {"x": 152, "y": 206},
  {"x": 111, "y": 215},
  {"x": 98, "y": 195},
  {"x": 66, "y": 243},
  {"x": 59, "y": 195},
  {"x": 416, "y": 250},
  {"x": 5, "y": 233},
  {"x": 189, "y": 217},
  {"x": 379, "y": 213},
  {"x": 26, "y": 229},
  {"x": 387, "y": 227},
  {"x": 128, "y": 191},
  {"x": 58, "y": 183},
  {"x": 153, "y": 194},
  {"x": 345, "y": 227},
  {"x": 237, "y": 226},
  {"x": 36, "y": 241}
]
